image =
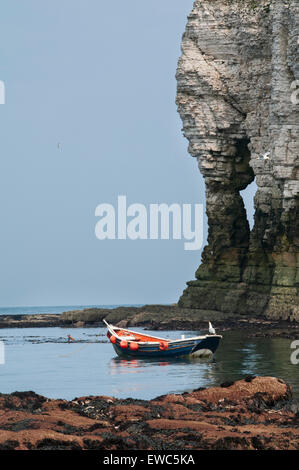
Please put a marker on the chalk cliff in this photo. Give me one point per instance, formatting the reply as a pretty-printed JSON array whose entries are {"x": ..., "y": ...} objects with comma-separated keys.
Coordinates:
[{"x": 237, "y": 97}]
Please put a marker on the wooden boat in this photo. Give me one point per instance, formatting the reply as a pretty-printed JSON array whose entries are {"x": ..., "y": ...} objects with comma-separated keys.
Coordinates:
[{"x": 134, "y": 344}]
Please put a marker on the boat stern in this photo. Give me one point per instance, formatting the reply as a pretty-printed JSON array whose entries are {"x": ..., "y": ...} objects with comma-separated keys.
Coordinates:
[{"x": 207, "y": 346}]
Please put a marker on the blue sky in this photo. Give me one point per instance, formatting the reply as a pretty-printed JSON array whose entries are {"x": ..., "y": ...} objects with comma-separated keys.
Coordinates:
[{"x": 99, "y": 78}]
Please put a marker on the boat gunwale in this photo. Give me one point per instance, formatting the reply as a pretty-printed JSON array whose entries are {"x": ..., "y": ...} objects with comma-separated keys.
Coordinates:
[{"x": 194, "y": 338}]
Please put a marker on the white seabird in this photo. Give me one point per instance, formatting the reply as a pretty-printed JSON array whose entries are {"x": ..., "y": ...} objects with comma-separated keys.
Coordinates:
[{"x": 211, "y": 329}]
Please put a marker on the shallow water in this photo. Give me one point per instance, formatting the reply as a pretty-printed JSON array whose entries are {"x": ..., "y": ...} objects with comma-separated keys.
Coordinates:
[{"x": 41, "y": 360}]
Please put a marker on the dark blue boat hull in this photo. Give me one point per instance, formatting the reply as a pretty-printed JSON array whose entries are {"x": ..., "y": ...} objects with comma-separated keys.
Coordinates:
[{"x": 194, "y": 347}]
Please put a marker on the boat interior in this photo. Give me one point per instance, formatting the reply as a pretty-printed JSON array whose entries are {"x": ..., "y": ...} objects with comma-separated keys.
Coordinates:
[{"x": 135, "y": 336}]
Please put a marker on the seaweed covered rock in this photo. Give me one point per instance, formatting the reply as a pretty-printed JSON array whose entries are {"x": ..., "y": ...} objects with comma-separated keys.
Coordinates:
[{"x": 254, "y": 413}]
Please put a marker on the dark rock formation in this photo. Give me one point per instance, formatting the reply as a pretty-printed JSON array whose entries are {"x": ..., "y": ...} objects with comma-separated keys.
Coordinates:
[
  {"x": 236, "y": 79},
  {"x": 30, "y": 321},
  {"x": 172, "y": 317},
  {"x": 255, "y": 413},
  {"x": 153, "y": 317}
]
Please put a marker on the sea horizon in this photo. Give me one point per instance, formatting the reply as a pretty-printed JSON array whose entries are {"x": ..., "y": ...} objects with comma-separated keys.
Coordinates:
[{"x": 58, "y": 309}]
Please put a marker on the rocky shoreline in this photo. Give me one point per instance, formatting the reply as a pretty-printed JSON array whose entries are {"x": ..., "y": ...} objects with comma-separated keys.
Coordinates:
[
  {"x": 42, "y": 320},
  {"x": 156, "y": 317},
  {"x": 253, "y": 413}
]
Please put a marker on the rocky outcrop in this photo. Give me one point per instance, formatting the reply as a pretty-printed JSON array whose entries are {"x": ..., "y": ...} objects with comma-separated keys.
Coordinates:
[
  {"x": 153, "y": 317},
  {"x": 30, "y": 321},
  {"x": 172, "y": 317},
  {"x": 236, "y": 80},
  {"x": 254, "y": 413}
]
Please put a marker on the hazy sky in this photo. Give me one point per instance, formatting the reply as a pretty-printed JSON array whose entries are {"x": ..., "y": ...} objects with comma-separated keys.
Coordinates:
[{"x": 98, "y": 78}]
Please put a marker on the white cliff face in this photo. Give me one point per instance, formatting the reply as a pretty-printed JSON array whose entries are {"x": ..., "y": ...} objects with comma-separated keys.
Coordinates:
[{"x": 239, "y": 106}]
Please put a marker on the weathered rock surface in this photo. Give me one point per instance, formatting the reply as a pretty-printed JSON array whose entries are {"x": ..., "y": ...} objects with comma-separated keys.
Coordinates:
[
  {"x": 30, "y": 321},
  {"x": 172, "y": 317},
  {"x": 156, "y": 317},
  {"x": 254, "y": 413},
  {"x": 239, "y": 106}
]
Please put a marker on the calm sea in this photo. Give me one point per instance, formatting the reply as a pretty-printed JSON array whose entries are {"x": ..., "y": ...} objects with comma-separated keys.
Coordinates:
[
  {"x": 41, "y": 360},
  {"x": 51, "y": 309}
]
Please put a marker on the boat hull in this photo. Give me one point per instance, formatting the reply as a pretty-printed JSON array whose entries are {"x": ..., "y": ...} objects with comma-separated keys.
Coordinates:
[{"x": 201, "y": 347}]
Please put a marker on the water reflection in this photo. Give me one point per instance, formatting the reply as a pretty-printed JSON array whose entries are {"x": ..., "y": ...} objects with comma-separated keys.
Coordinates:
[
  {"x": 237, "y": 357},
  {"x": 153, "y": 376},
  {"x": 120, "y": 365},
  {"x": 37, "y": 359}
]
